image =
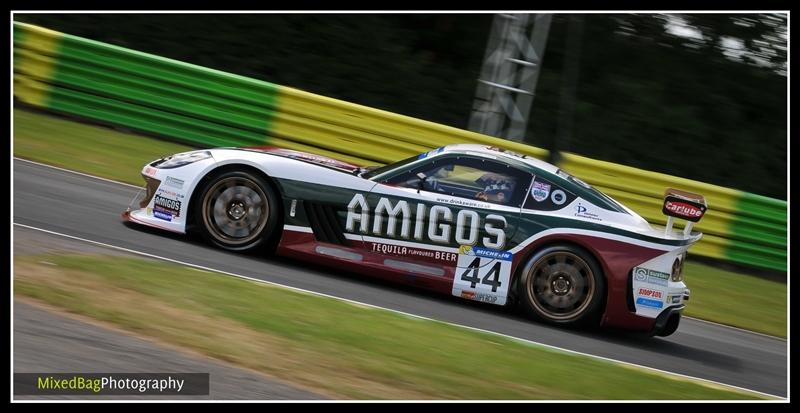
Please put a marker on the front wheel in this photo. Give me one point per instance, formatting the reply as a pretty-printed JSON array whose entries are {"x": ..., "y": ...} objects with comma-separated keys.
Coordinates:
[
  {"x": 562, "y": 284},
  {"x": 238, "y": 211}
]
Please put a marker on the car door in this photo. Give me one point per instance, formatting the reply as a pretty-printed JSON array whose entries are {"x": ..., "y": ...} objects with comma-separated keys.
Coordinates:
[{"x": 451, "y": 217}]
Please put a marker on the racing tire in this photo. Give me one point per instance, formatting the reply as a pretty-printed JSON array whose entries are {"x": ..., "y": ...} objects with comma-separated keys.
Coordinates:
[
  {"x": 562, "y": 284},
  {"x": 237, "y": 211}
]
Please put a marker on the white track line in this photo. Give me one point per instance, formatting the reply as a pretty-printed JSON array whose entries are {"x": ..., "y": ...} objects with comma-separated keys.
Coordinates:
[
  {"x": 736, "y": 328},
  {"x": 79, "y": 173},
  {"x": 358, "y": 303}
]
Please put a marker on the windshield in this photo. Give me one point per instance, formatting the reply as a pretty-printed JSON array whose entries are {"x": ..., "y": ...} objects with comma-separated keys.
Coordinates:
[{"x": 386, "y": 168}]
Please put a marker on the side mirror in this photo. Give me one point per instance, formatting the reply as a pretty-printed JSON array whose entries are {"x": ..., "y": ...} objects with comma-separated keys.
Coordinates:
[{"x": 422, "y": 178}]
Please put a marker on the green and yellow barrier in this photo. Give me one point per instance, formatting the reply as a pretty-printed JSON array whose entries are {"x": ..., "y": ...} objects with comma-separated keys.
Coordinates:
[
  {"x": 739, "y": 227},
  {"x": 208, "y": 108}
]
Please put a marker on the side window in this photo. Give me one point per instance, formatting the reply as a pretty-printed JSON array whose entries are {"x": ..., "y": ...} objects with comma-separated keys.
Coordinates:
[
  {"x": 545, "y": 196},
  {"x": 468, "y": 177}
]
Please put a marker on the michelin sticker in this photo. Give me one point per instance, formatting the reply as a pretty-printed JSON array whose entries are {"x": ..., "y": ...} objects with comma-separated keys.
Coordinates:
[
  {"x": 540, "y": 191},
  {"x": 482, "y": 274}
]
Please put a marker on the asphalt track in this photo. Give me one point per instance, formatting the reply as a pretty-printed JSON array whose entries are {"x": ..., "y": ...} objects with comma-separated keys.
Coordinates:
[
  {"x": 90, "y": 208},
  {"x": 45, "y": 341}
]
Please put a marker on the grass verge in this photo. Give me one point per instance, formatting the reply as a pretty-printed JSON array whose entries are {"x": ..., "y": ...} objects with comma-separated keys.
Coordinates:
[
  {"x": 721, "y": 296},
  {"x": 736, "y": 299},
  {"x": 87, "y": 148},
  {"x": 328, "y": 345}
]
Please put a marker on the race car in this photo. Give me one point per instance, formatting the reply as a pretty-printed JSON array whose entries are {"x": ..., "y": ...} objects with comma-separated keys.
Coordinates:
[{"x": 474, "y": 221}]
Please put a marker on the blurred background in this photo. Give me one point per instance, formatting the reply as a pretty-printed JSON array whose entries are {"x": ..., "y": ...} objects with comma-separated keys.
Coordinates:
[{"x": 700, "y": 96}]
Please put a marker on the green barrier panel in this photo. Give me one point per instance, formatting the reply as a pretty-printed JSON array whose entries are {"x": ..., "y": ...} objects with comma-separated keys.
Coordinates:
[{"x": 207, "y": 107}]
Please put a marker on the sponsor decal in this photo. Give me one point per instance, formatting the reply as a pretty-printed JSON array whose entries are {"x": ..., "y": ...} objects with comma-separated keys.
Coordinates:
[
  {"x": 683, "y": 209},
  {"x": 486, "y": 298},
  {"x": 169, "y": 193},
  {"x": 150, "y": 171},
  {"x": 485, "y": 253},
  {"x": 646, "y": 292},
  {"x": 640, "y": 274},
  {"x": 468, "y": 295},
  {"x": 484, "y": 272},
  {"x": 675, "y": 299},
  {"x": 429, "y": 153},
  {"x": 174, "y": 182},
  {"x": 399, "y": 250},
  {"x": 437, "y": 224},
  {"x": 651, "y": 276},
  {"x": 583, "y": 212},
  {"x": 166, "y": 205},
  {"x": 540, "y": 191},
  {"x": 558, "y": 197},
  {"x": 649, "y": 303},
  {"x": 463, "y": 202},
  {"x": 162, "y": 215},
  {"x": 690, "y": 207}
]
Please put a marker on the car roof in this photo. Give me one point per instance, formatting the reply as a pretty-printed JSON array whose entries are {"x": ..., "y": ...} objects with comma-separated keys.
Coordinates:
[{"x": 486, "y": 150}]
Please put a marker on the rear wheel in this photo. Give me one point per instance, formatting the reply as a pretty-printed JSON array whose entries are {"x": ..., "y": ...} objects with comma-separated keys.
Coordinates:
[
  {"x": 238, "y": 211},
  {"x": 562, "y": 284}
]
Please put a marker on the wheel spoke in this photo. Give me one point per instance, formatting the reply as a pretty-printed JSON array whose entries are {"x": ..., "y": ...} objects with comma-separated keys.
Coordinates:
[
  {"x": 560, "y": 285},
  {"x": 236, "y": 210}
]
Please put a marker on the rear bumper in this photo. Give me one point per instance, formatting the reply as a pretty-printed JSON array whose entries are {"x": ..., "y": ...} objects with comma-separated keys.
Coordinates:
[{"x": 667, "y": 322}]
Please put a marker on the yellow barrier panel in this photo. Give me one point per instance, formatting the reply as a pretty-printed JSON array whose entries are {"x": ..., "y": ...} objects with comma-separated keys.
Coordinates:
[
  {"x": 367, "y": 132},
  {"x": 35, "y": 62},
  {"x": 647, "y": 183},
  {"x": 643, "y": 192}
]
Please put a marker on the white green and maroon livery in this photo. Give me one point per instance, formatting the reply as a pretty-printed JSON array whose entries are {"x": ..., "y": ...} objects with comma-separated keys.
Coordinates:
[{"x": 473, "y": 221}]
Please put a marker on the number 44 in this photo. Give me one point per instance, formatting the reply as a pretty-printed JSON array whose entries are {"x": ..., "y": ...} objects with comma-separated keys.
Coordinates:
[{"x": 492, "y": 277}]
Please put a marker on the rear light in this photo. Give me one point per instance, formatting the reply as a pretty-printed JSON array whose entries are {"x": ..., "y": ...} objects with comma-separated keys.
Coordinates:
[{"x": 677, "y": 268}]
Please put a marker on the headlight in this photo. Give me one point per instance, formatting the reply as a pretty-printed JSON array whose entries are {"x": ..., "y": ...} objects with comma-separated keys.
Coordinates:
[
  {"x": 677, "y": 268},
  {"x": 181, "y": 159}
]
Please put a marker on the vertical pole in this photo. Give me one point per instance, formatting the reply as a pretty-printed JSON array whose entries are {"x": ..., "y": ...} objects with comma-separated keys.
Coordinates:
[
  {"x": 509, "y": 74},
  {"x": 569, "y": 86}
]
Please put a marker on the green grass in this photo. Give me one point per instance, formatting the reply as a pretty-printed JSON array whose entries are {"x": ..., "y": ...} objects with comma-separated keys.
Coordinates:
[
  {"x": 86, "y": 148},
  {"x": 331, "y": 346},
  {"x": 736, "y": 299}
]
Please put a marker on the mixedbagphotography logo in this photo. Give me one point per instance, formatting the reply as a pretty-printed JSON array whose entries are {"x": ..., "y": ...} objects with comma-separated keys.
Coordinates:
[{"x": 102, "y": 384}]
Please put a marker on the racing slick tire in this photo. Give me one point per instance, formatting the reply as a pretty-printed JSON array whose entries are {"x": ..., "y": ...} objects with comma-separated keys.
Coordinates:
[
  {"x": 237, "y": 211},
  {"x": 562, "y": 284}
]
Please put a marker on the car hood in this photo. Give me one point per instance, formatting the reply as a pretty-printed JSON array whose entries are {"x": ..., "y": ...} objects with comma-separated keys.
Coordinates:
[{"x": 305, "y": 157}]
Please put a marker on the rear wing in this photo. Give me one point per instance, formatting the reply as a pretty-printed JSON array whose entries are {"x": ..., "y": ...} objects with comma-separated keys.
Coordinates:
[{"x": 685, "y": 205}]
